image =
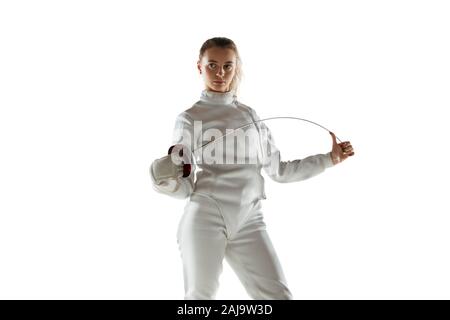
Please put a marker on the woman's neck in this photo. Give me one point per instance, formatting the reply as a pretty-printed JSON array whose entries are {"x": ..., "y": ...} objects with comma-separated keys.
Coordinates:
[{"x": 217, "y": 97}]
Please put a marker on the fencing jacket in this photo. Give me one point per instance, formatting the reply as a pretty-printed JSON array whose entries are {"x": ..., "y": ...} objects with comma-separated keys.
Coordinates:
[{"x": 240, "y": 178}]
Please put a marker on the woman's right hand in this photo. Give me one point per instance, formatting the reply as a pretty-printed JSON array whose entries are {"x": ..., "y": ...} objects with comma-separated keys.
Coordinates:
[
  {"x": 181, "y": 155},
  {"x": 170, "y": 166}
]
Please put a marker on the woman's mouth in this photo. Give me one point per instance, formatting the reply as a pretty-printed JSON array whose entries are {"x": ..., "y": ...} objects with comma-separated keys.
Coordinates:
[{"x": 219, "y": 82}]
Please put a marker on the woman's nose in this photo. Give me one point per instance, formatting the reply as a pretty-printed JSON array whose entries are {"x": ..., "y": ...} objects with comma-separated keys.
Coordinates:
[{"x": 220, "y": 72}]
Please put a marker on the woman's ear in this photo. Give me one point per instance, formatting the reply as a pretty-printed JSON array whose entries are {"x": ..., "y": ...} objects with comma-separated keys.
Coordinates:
[{"x": 199, "y": 67}]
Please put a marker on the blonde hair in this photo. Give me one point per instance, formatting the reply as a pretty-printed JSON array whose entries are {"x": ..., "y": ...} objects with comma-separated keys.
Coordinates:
[{"x": 225, "y": 43}]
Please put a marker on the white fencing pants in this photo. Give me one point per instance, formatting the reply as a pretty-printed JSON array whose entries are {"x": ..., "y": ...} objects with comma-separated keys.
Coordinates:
[{"x": 204, "y": 239}]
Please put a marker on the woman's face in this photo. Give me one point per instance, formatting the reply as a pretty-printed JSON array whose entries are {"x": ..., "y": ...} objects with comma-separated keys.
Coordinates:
[{"x": 218, "y": 67}]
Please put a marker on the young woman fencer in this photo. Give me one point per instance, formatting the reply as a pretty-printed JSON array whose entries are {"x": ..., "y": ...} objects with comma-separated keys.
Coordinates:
[{"x": 223, "y": 217}]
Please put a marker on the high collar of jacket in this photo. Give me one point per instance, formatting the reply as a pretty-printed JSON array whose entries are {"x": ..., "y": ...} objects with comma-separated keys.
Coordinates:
[{"x": 218, "y": 97}]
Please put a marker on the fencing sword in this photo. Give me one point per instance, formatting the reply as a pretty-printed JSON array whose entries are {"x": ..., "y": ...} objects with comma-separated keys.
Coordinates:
[{"x": 187, "y": 167}]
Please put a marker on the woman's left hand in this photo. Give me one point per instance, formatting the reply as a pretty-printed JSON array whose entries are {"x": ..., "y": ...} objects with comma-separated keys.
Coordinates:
[{"x": 340, "y": 151}]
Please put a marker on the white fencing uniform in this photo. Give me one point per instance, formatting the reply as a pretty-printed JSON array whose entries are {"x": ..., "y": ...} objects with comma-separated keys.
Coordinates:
[{"x": 223, "y": 216}]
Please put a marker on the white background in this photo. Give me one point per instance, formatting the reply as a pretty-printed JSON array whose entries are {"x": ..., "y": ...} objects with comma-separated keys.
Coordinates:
[{"x": 89, "y": 91}]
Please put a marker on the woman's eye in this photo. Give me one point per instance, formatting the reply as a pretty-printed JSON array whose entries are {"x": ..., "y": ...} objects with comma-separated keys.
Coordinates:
[
  {"x": 228, "y": 67},
  {"x": 212, "y": 65}
]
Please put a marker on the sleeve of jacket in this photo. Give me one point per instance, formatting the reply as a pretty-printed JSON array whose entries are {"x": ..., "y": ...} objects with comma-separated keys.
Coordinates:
[
  {"x": 288, "y": 171},
  {"x": 178, "y": 187}
]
